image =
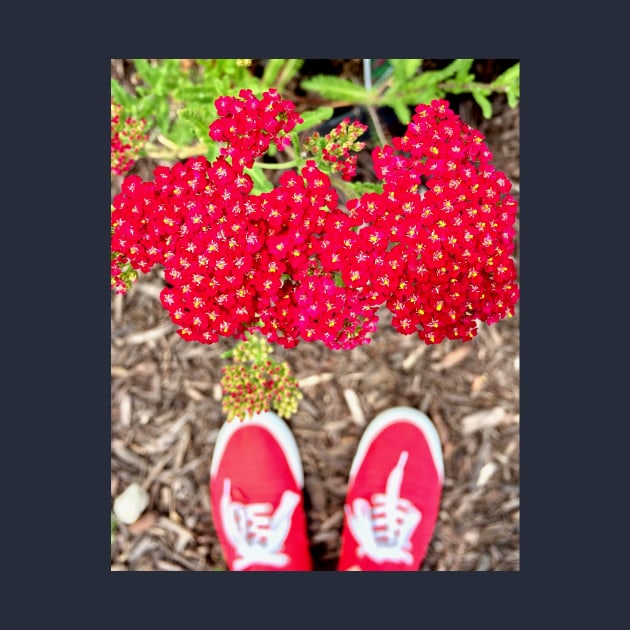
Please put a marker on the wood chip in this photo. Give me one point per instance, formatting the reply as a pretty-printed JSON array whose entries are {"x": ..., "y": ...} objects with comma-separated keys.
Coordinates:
[
  {"x": 316, "y": 492},
  {"x": 124, "y": 409},
  {"x": 180, "y": 530},
  {"x": 184, "y": 535},
  {"x": 440, "y": 425},
  {"x": 352, "y": 400},
  {"x": 143, "y": 523},
  {"x": 410, "y": 360},
  {"x": 478, "y": 382},
  {"x": 452, "y": 358},
  {"x": 193, "y": 393},
  {"x": 118, "y": 308},
  {"x": 165, "y": 565},
  {"x": 182, "y": 445},
  {"x": 485, "y": 419},
  {"x": 129, "y": 457},
  {"x": 332, "y": 522},
  {"x": 164, "y": 441},
  {"x": 152, "y": 290},
  {"x": 151, "y": 334},
  {"x": 335, "y": 425},
  {"x": 156, "y": 470},
  {"x": 510, "y": 505},
  {"x": 315, "y": 379},
  {"x": 143, "y": 546},
  {"x": 487, "y": 470},
  {"x": 329, "y": 536}
]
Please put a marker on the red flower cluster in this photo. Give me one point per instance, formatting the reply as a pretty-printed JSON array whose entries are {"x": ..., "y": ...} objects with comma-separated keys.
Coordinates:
[
  {"x": 294, "y": 265},
  {"x": 249, "y": 125},
  {"x": 127, "y": 138},
  {"x": 440, "y": 236}
]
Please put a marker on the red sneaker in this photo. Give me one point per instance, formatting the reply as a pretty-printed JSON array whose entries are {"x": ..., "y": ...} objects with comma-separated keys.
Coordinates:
[
  {"x": 256, "y": 483},
  {"x": 394, "y": 493}
]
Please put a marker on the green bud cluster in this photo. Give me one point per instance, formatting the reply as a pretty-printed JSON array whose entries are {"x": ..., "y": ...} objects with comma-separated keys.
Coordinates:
[
  {"x": 123, "y": 275},
  {"x": 332, "y": 151},
  {"x": 254, "y": 382},
  {"x": 255, "y": 349}
]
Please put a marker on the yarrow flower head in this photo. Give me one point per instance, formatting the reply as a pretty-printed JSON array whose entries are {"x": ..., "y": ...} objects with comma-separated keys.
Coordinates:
[
  {"x": 442, "y": 230},
  {"x": 434, "y": 246},
  {"x": 249, "y": 125},
  {"x": 127, "y": 139}
]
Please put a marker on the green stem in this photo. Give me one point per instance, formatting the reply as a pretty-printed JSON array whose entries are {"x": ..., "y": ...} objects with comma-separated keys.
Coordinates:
[
  {"x": 469, "y": 87},
  {"x": 345, "y": 187},
  {"x": 377, "y": 125},
  {"x": 266, "y": 165},
  {"x": 177, "y": 153}
]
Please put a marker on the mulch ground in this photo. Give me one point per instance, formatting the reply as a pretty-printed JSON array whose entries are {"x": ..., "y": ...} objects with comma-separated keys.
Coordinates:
[{"x": 166, "y": 413}]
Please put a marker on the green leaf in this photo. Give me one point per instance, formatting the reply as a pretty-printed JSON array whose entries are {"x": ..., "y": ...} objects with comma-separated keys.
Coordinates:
[
  {"x": 314, "y": 117},
  {"x": 290, "y": 69},
  {"x": 404, "y": 69},
  {"x": 213, "y": 150},
  {"x": 198, "y": 118},
  {"x": 337, "y": 88},
  {"x": 146, "y": 71},
  {"x": 415, "y": 97},
  {"x": 162, "y": 116},
  {"x": 510, "y": 81},
  {"x": 181, "y": 133},
  {"x": 272, "y": 69},
  {"x": 510, "y": 77},
  {"x": 401, "y": 110},
  {"x": 261, "y": 183},
  {"x": 423, "y": 80},
  {"x": 481, "y": 98},
  {"x": 461, "y": 69},
  {"x": 457, "y": 70},
  {"x": 121, "y": 96},
  {"x": 512, "y": 97},
  {"x": 419, "y": 90},
  {"x": 360, "y": 188},
  {"x": 196, "y": 93}
]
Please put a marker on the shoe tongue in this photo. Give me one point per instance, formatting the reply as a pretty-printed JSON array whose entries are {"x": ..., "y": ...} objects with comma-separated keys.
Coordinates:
[{"x": 239, "y": 495}]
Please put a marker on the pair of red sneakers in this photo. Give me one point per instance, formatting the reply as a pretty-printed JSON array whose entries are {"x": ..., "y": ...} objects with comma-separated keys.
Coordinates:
[{"x": 395, "y": 483}]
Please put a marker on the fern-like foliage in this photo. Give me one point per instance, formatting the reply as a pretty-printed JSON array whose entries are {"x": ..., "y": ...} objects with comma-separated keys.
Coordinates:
[
  {"x": 314, "y": 117},
  {"x": 278, "y": 72},
  {"x": 409, "y": 85},
  {"x": 340, "y": 89}
]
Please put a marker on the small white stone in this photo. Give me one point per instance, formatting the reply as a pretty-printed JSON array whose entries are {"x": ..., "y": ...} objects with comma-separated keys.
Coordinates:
[{"x": 129, "y": 505}]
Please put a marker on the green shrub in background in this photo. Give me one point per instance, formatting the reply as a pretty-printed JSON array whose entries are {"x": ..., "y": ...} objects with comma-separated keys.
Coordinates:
[
  {"x": 176, "y": 96},
  {"x": 407, "y": 85}
]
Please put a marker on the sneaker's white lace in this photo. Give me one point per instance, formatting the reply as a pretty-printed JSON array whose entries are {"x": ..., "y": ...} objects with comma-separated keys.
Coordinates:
[
  {"x": 255, "y": 530},
  {"x": 384, "y": 526}
]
